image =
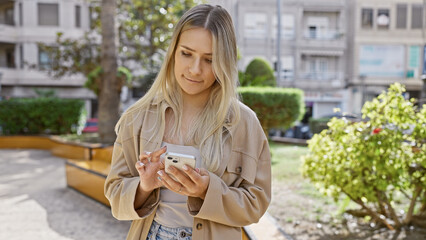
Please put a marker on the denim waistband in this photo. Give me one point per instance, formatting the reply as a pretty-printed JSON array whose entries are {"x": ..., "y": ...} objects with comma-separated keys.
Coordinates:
[{"x": 161, "y": 232}]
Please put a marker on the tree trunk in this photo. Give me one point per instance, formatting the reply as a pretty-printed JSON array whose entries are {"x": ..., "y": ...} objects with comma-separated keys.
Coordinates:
[{"x": 109, "y": 91}]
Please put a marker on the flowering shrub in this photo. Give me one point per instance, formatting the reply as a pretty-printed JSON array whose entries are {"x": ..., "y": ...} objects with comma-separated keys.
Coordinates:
[{"x": 373, "y": 160}]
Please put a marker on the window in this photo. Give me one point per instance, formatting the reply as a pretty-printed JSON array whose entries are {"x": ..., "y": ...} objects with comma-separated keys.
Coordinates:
[
  {"x": 9, "y": 16},
  {"x": 10, "y": 58},
  {"x": 383, "y": 19},
  {"x": 318, "y": 68},
  {"x": 287, "y": 67},
  {"x": 48, "y": 14},
  {"x": 21, "y": 56},
  {"x": 312, "y": 32},
  {"x": 317, "y": 27},
  {"x": 21, "y": 17},
  {"x": 255, "y": 25},
  {"x": 367, "y": 18},
  {"x": 416, "y": 16},
  {"x": 77, "y": 16},
  {"x": 401, "y": 16},
  {"x": 287, "y": 26},
  {"x": 45, "y": 60}
]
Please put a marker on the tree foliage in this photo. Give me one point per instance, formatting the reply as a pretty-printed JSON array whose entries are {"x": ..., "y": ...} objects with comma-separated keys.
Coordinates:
[
  {"x": 94, "y": 79},
  {"x": 144, "y": 32},
  {"x": 375, "y": 160}
]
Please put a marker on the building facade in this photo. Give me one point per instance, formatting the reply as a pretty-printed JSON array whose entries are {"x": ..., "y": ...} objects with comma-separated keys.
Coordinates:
[
  {"x": 385, "y": 46},
  {"x": 24, "y": 23},
  {"x": 312, "y": 49},
  {"x": 340, "y": 52}
]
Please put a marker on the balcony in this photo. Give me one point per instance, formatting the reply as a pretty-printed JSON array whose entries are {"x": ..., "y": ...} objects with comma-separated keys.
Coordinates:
[
  {"x": 26, "y": 77},
  {"x": 328, "y": 34},
  {"x": 8, "y": 33},
  {"x": 320, "y": 80},
  {"x": 321, "y": 76}
]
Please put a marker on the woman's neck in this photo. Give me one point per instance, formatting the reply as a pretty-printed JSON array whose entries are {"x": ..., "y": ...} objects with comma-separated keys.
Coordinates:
[{"x": 194, "y": 103}]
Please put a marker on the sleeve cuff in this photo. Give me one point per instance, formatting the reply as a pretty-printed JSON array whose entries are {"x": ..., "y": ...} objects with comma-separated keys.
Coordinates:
[
  {"x": 198, "y": 207},
  {"x": 149, "y": 205}
]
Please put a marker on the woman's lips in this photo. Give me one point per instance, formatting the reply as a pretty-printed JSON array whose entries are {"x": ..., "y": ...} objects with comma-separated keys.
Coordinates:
[{"x": 191, "y": 80}]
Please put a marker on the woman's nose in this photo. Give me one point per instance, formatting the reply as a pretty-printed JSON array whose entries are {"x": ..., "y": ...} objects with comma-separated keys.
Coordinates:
[{"x": 195, "y": 67}]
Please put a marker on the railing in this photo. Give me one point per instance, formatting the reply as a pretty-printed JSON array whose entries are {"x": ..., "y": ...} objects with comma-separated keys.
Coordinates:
[
  {"x": 327, "y": 34},
  {"x": 323, "y": 76},
  {"x": 8, "y": 33}
]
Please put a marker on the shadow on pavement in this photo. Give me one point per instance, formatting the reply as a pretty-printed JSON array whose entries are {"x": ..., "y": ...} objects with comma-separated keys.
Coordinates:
[{"x": 35, "y": 202}]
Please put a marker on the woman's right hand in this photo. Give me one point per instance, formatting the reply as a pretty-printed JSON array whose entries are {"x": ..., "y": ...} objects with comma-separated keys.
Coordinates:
[{"x": 148, "y": 166}]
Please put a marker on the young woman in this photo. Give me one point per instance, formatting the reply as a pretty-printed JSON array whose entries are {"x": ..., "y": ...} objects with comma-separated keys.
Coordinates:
[{"x": 192, "y": 108}]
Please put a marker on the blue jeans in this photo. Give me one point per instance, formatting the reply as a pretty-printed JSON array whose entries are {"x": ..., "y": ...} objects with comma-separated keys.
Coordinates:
[{"x": 160, "y": 232}]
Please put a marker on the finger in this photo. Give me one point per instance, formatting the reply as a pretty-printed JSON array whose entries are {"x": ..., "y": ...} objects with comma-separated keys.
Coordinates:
[
  {"x": 140, "y": 166},
  {"x": 168, "y": 182},
  {"x": 203, "y": 171},
  {"x": 193, "y": 174},
  {"x": 181, "y": 177},
  {"x": 144, "y": 157},
  {"x": 155, "y": 156}
]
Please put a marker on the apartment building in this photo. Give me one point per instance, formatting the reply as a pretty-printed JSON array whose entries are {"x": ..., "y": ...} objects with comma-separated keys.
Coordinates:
[
  {"x": 312, "y": 49},
  {"x": 386, "y": 45},
  {"x": 23, "y": 23}
]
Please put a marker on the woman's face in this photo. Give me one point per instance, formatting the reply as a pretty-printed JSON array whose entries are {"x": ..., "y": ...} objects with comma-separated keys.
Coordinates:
[{"x": 193, "y": 62}]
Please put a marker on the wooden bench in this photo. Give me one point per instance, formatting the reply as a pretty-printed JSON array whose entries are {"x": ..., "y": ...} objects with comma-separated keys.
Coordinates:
[{"x": 88, "y": 177}]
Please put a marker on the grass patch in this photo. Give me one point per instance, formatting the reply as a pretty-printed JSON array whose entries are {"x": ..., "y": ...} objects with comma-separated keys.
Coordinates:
[{"x": 286, "y": 161}]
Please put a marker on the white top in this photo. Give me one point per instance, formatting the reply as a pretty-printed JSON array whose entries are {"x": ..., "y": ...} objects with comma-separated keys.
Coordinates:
[{"x": 172, "y": 210}]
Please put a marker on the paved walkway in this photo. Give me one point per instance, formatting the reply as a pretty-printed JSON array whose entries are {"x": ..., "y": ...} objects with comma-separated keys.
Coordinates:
[{"x": 36, "y": 204}]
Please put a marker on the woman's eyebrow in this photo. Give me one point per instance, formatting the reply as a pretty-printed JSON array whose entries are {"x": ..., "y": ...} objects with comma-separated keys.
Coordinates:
[{"x": 190, "y": 49}]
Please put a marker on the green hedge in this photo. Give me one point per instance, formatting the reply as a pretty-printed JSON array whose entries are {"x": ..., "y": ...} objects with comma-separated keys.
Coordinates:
[
  {"x": 275, "y": 107},
  {"x": 39, "y": 115}
]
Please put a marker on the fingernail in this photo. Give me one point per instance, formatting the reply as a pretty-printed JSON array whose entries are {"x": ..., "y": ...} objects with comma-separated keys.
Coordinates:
[
  {"x": 159, "y": 178},
  {"x": 164, "y": 147},
  {"x": 197, "y": 170},
  {"x": 160, "y": 173},
  {"x": 185, "y": 167},
  {"x": 141, "y": 164}
]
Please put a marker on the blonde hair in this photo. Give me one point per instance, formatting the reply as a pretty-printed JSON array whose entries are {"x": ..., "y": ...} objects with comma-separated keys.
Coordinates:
[{"x": 222, "y": 108}]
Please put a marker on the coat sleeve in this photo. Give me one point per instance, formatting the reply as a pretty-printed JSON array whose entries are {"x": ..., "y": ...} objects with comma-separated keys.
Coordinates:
[
  {"x": 121, "y": 183},
  {"x": 237, "y": 206}
]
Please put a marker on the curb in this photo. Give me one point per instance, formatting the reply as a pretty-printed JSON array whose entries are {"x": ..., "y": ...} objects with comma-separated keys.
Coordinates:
[{"x": 266, "y": 228}]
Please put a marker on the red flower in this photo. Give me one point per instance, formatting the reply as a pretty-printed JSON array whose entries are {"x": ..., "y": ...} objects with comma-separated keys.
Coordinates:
[{"x": 377, "y": 130}]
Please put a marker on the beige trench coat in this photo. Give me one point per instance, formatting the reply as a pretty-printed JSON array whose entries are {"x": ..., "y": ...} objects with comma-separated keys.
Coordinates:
[{"x": 239, "y": 191}]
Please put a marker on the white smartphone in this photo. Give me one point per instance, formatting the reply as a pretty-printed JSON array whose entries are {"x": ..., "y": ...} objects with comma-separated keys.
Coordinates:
[{"x": 178, "y": 160}]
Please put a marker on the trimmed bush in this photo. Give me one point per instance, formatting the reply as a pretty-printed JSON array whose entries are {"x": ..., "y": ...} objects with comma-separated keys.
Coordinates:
[
  {"x": 39, "y": 115},
  {"x": 258, "y": 73},
  {"x": 275, "y": 107}
]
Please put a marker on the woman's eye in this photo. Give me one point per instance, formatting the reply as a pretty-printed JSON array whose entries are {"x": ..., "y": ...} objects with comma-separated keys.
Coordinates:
[
  {"x": 209, "y": 61},
  {"x": 185, "y": 54}
]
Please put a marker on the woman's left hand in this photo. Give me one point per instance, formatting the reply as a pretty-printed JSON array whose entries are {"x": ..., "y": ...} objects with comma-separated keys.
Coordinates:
[{"x": 190, "y": 182}]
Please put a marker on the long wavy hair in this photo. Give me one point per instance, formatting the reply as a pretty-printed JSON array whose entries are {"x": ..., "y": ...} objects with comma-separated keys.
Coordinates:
[{"x": 222, "y": 109}]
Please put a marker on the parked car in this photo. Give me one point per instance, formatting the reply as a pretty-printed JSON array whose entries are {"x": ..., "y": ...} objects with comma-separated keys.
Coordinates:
[{"x": 91, "y": 126}]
